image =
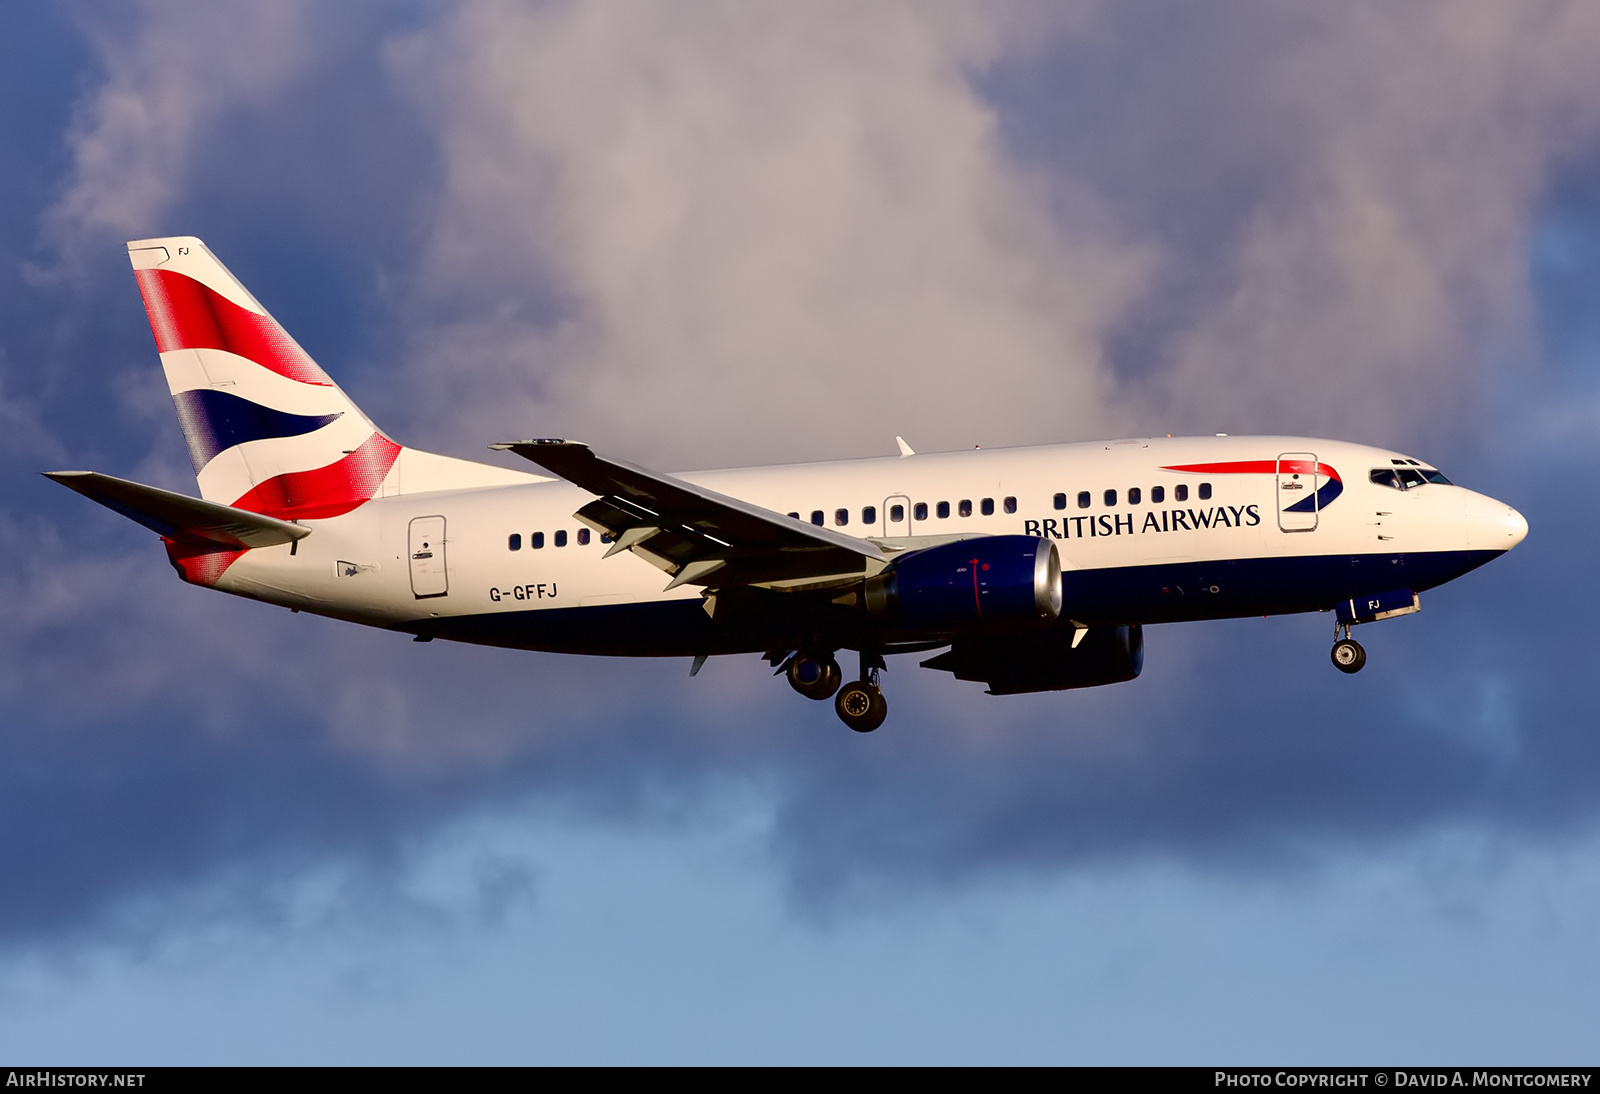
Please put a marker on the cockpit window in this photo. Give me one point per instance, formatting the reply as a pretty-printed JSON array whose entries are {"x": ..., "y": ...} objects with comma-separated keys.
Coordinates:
[{"x": 1406, "y": 478}]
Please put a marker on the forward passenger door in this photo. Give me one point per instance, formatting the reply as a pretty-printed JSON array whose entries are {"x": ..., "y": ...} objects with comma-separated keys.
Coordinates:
[{"x": 1297, "y": 483}]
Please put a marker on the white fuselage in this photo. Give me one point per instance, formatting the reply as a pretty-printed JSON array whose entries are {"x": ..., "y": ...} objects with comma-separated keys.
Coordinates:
[{"x": 1231, "y": 546}]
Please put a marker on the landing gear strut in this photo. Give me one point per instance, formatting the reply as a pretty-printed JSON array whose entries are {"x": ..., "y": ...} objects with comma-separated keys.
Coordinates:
[
  {"x": 860, "y": 703},
  {"x": 1348, "y": 656}
]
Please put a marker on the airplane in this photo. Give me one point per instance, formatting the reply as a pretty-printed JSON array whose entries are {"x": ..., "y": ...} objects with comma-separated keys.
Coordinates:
[{"x": 1030, "y": 569}]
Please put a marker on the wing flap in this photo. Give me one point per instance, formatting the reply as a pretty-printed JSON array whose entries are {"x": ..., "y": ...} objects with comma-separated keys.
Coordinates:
[
  {"x": 178, "y": 516},
  {"x": 683, "y": 528}
]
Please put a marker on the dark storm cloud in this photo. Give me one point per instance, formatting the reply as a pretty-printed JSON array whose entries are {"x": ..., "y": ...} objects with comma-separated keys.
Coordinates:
[{"x": 578, "y": 218}]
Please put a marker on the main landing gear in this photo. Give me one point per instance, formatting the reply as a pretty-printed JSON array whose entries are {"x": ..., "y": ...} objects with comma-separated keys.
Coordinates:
[
  {"x": 860, "y": 703},
  {"x": 814, "y": 677},
  {"x": 1348, "y": 656}
]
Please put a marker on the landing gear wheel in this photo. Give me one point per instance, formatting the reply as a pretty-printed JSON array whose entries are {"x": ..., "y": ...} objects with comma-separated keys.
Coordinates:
[
  {"x": 1348, "y": 656},
  {"x": 814, "y": 677},
  {"x": 861, "y": 706}
]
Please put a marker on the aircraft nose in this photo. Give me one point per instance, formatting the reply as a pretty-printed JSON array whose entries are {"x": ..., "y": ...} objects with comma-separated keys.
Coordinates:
[{"x": 1494, "y": 524}]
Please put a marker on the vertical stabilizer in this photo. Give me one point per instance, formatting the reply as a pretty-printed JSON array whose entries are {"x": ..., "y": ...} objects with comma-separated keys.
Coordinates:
[{"x": 268, "y": 431}]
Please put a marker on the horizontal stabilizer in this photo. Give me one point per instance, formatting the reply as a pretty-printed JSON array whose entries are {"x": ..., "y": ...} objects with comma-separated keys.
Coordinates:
[{"x": 178, "y": 515}]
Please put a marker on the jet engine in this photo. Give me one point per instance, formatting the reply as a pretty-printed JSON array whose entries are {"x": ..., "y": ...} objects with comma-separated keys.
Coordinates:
[{"x": 984, "y": 582}]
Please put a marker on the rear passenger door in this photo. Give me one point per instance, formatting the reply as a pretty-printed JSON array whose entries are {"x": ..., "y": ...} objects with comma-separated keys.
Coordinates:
[{"x": 426, "y": 543}]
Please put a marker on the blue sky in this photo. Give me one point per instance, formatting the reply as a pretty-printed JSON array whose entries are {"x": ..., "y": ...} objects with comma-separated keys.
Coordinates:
[{"x": 700, "y": 236}]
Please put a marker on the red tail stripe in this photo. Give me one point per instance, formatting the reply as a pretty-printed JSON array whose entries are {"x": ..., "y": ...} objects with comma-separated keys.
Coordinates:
[
  {"x": 184, "y": 314},
  {"x": 325, "y": 491},
  {"x": 200, "y": 562},
  {"x": 1257, "y": 467}
]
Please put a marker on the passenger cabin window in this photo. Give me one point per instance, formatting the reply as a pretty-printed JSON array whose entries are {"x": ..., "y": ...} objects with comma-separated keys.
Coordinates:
[
  {"x": 536, "y": 540},
  {"x": 869, "y": 514},
  {"x": 1205, "y": 491},
  {"x": 841, "y": 517},
  {"x": 1111, "y": 497},
  {"x": 794, "y": 516},
  {"x": 1158, "y": 494},
  {"x": 1134, "y": 496},
  {"x": 1083, "y": 499},
  {"x": 964, "y": 507},
  {"x": 986, "y": 507},
  {"x": 583, "y": 537},
  {"x": 1060, "y": 501},
  {"x": 561, "y": 538},
  {"x": 1181, "y": 492},
  {"x": 816, "y": 517},
  {"x": 1010, "y": 505},
  {"x": 514, "y": 542},
  {"x": 943, "y": 510},
  {"x": 897, "y": 513},
  {"x": 919, "y": 511}
]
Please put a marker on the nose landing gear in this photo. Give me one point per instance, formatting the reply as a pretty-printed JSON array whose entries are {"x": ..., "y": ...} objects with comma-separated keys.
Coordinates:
[{"x": 1348, "y": 656}]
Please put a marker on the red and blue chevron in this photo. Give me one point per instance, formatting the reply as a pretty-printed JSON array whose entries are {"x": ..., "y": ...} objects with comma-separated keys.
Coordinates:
[{"x": 1331, "y": 489}]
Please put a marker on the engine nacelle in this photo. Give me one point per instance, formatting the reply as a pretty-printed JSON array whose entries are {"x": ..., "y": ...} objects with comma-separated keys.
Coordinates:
[{"x": 987, "y": 581}]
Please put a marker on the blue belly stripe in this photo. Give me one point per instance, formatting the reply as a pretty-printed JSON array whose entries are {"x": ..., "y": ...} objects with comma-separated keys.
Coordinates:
[{"x": 1168, "y": 593}]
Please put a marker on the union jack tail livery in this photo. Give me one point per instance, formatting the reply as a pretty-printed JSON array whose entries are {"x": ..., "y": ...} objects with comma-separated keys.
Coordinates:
[{"x": 268, "y": 431}]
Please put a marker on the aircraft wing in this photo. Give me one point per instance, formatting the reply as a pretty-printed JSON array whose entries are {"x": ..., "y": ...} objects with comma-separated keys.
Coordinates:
[
  {"x": 699, "y": 536},
  {"x": 178, "y": 515}
]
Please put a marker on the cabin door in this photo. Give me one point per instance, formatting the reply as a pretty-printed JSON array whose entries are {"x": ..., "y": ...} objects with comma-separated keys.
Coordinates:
[
  {"x": 896, "y": 516},
  {"x": 1298, "y": 483},
  {"x": 428, "y": 576}
]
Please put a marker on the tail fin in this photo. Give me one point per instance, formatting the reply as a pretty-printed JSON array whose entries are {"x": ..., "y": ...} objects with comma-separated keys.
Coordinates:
[{"x": 268, "y": 431}]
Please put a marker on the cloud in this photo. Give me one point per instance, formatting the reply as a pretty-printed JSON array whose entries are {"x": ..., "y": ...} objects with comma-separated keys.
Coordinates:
[
  {"x": 1343, "y": 200},
  {"x": 172, "y": 70},
  {"x": 724, "y": 233}
]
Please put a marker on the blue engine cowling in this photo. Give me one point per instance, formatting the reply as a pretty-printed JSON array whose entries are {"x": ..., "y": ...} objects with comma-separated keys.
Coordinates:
[{"x": 986, "y": 581}]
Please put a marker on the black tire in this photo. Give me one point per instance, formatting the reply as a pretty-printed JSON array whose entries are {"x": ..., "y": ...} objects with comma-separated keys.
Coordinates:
[
  {"x": 861, "y": 706},
  {"x": 1348, "y": 656},
  {"x": 814, "y": 677}
]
